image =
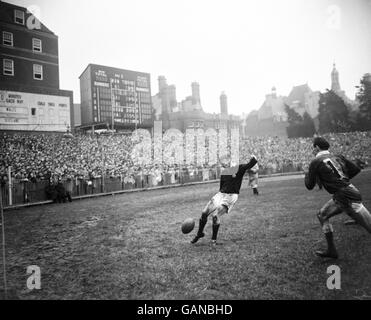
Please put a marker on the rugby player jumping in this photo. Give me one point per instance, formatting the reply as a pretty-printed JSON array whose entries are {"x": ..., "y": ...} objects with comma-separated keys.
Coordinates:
[{"x": 223, "y": 202}]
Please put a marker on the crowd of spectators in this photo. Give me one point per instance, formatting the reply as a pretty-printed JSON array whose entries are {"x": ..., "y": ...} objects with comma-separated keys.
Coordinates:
[
  {"x": 277, "y": 154},
  {"x": 44, "y": 156}
]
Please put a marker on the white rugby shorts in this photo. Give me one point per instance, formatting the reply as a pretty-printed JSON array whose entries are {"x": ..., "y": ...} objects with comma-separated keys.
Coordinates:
[{"x": 224, "y": 199}]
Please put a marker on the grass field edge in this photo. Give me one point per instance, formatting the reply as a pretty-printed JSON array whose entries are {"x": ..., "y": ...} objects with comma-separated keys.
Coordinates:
[{"x": 107, "y": 194}]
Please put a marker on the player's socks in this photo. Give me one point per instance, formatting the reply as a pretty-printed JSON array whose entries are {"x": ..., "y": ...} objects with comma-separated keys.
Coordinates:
[
  {"x": 331, "y": 249},
  {"x": 200, "y": 232},
  {"x": 215, "y": 231},
  {"x": 201, "y": 226},
  {"x": 256, "y": 191}
]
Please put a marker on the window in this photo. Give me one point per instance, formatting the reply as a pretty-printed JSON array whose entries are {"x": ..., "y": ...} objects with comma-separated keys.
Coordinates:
[
  {"x": 8, "y": 67},
  {"x": 7, "y": 38},
  {"x": 36, "y": 45},
  {"x": 37, "y": 72},
  {"x": 19, "y": 16},
  {"x": 33, "y": 111}
]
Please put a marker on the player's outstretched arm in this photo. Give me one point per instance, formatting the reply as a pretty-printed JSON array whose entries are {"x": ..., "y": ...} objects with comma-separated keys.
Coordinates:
[
  {"x": 244, "y": 167},
  {"x": 311, "y": 177}
]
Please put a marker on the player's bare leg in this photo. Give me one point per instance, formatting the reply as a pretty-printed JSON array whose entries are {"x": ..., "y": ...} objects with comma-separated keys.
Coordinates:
[
  {"x": 360, "y": 215},
  {"x": 255, "y": 187},
  {"x": 203, "y": 221},
  {"x": 253, "y": 182},
  {"x": 216, "y": 222},
  {"x": 329, "y": 210}
]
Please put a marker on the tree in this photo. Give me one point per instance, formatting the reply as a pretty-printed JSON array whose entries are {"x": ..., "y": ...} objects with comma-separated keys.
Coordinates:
[
  {"x": 364, "y": 97},
  {"x": 308, "y": 127},
  {"x": 292, "y": 116},
  {"x": 294, "y": 119},
  {"x": 333, "y": 113},
  {"x": 299, "y": 126}
]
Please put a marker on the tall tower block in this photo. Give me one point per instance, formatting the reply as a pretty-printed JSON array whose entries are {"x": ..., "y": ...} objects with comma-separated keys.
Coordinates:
[
  {"x": 196, "y": 98},
  {"x": 335, "y": 82},
  {"x": 223, "y": 104},
  {"x": 162, "y": 84}
]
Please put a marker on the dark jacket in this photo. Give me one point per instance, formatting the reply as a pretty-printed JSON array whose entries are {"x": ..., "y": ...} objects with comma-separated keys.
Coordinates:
[
  {"x": 231, "y": 179},
  {"x": 333, "y": 171}
]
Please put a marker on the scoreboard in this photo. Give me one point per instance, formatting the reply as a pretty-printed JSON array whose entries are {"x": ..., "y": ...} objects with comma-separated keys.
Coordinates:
[
  {"x": 34, "y": 112},
  {"x": 122, "y": 96}
]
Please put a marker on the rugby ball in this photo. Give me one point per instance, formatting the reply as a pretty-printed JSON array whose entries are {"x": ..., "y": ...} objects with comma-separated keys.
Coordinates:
[{"x": 188, "y": 225}]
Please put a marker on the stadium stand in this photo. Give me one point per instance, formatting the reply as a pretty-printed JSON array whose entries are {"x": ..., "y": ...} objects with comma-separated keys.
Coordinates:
[{"x": 95, "y": 164}]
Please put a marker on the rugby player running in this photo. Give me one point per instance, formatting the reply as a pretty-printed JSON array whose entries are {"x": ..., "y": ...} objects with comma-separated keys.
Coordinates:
[{"x": 335, "y": 172}]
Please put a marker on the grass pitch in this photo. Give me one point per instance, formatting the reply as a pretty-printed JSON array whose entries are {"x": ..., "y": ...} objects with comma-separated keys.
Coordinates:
[{"x": 130, "y": 247}]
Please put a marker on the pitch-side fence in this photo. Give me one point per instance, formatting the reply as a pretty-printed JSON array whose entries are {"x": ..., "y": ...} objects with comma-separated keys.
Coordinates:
[{"x": 18, "y": 192}]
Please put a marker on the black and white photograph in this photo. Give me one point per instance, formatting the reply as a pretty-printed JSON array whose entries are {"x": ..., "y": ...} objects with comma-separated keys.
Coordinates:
[{"x": 185, "y": 154}]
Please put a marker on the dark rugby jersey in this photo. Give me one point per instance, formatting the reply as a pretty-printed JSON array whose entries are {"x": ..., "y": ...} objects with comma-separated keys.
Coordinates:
[
  {"x": 231, "y": 178},
  {"x": 333, "y": 171}
]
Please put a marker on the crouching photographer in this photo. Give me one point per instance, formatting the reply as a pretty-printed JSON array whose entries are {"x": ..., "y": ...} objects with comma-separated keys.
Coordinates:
[
  {"x": 62, "y": 193},
  {"x": 57, "y": 192}
]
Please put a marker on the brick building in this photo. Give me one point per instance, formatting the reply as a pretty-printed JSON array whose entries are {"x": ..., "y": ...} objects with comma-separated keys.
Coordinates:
[{"x": 30, "y": 97}]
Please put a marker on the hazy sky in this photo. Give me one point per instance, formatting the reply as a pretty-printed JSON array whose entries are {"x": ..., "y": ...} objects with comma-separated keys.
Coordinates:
[{"x": 238, "y": 46}]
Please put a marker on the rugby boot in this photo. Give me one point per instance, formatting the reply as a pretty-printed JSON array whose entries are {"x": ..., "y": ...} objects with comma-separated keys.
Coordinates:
[
  {"x": 200, "y": 233},
  {"x": 197, "y": 237},
  {"x": 327, "y": 254}
]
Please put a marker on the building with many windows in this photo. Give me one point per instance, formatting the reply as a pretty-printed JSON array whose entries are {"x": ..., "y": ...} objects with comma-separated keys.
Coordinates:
[
  {"x": 30, "y": 97},
  {"x": 271, "y": 118},
  {"x": 189, "y": 114},
  {"x": 115, "y": 98}
]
